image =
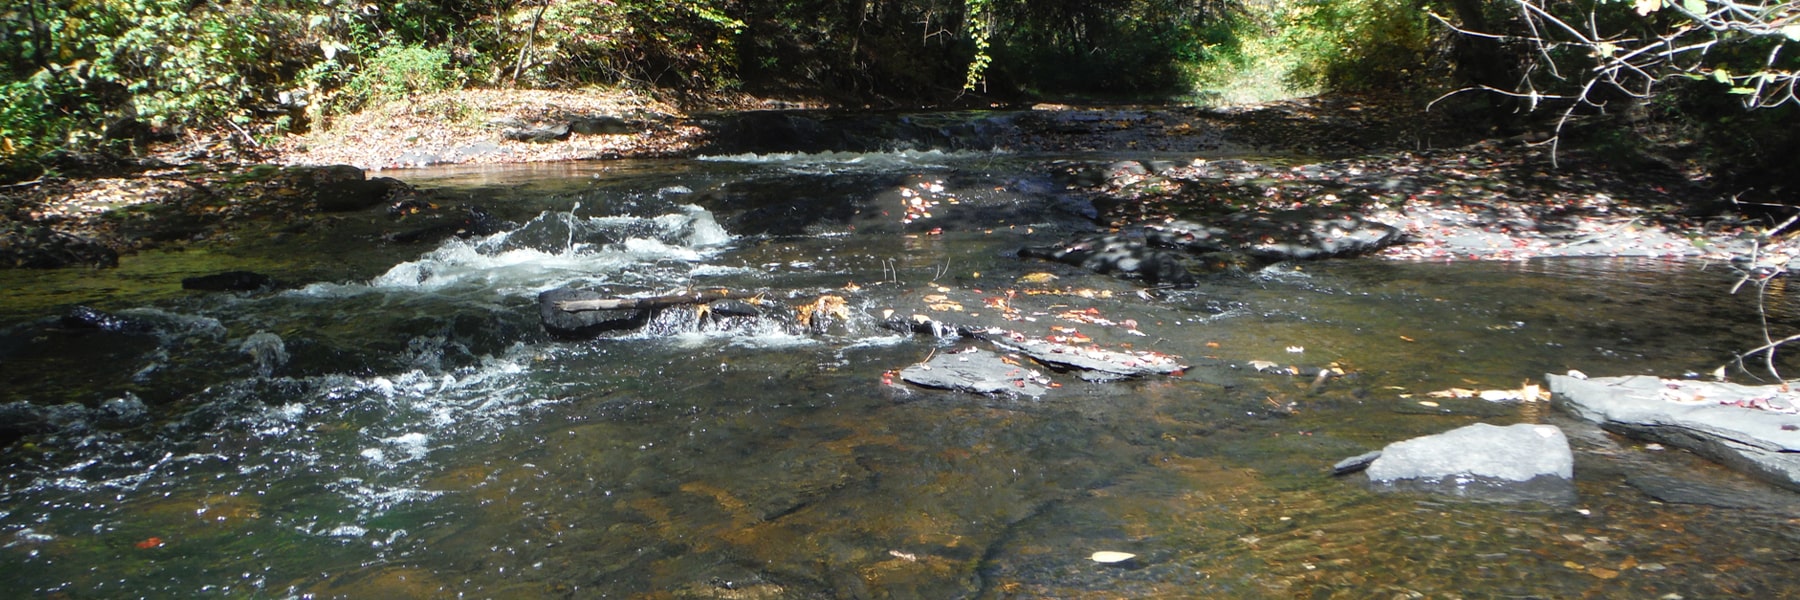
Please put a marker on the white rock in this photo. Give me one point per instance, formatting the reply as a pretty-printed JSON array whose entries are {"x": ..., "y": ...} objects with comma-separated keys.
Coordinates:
[{"x": 1513, "y": 453}]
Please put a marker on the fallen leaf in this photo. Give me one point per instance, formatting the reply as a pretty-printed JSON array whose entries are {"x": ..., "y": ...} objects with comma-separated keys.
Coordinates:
[{"x": 149, "y": 543}]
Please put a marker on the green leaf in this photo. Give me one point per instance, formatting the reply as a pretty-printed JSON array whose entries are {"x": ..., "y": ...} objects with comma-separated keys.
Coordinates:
[
  {"x": 1792, "y": 32},
  {"x": 1697, "y": 7},
  {"x": 1742, "y": 91},
  {"x": 1721, "y": 75}
]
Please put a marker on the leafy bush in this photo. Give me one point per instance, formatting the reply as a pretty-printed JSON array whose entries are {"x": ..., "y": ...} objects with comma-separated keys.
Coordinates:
[
  {"x": 1131, "y": 47},
  {"x": 1360, "y": 44},
  {"x": 35, "y": 117},
  {"x": 399, "y": 71}
]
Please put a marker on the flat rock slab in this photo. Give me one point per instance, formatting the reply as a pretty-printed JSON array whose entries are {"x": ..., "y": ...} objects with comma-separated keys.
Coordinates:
[
  {"x": 1095, "y": 363},
  {"x": 977, "y": 371},
  {"x": 1714, "y": 420},
  {"x": 1517, "y": 453}
]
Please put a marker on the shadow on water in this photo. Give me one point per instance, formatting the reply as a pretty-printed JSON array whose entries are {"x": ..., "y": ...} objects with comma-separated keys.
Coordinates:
[{"x": 410, "y": 432}]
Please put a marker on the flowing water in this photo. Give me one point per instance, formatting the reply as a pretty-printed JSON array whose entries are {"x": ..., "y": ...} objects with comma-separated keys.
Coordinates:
[{"x": 402, "y": 427}]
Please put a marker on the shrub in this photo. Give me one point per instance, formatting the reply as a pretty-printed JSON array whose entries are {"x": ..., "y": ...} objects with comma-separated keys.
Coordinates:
[{"x": 399, "y": 71}]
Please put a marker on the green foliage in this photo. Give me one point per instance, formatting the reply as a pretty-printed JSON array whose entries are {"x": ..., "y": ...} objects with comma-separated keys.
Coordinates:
[
  {"x": 686, "y": 44},
  {"x": 1128, "y": 47},
  {"x": 978, "y": 25},
  {"x": 32, "y": 117},
  {"x": 398, "y": 71},
  {"x": 1359, "y": 44}
]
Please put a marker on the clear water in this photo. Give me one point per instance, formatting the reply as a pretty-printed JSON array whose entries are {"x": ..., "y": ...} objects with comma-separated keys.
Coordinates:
[{"x": 403, "y": 428}]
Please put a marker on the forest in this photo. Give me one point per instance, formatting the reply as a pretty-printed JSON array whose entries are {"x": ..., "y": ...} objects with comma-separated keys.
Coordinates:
[{"x": 1702, "y": 85}]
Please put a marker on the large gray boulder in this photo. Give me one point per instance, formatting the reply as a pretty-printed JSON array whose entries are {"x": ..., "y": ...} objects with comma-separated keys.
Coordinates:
[
  {"x": 1748, "y": 428},
  {"x": 1516, "y": 453}
]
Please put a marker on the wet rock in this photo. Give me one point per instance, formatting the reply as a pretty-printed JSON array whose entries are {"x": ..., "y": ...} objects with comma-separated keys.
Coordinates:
[
  {"x": 976, "y": 371},
  {"x": 22, "y": 418},
  {"x": 1301, "y": 234},
  {"x": 774, "y": 131},
  {"x": 229, "y": 281},
  {"x": 341, "y": 188},
  {"x": 124, "y": 411},
  {"x": 475, "y": 222},
  {"x": 1356, "y": 463},
  {"x": 588, "y": 323},
  {"x": 734, "y": 308},
  {"x": 1686, "y": 490},
  {"x": 85, "y": 317},
  {"x": 1120, "y": 256},
  {"x": 1094, "y": 363},
  {"x": 1749, "y": 428},
  {"x": 1515, "y": 453},
  {"x": 540, "y": 135},
  {"x": 39, "y": 247}
]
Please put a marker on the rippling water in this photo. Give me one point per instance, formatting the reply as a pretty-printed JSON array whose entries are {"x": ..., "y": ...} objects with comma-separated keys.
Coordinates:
[{"x": 403, "y": 428}]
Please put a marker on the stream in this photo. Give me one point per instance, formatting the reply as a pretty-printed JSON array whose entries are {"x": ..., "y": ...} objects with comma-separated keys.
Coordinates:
[{"x": 400, "y": 425}]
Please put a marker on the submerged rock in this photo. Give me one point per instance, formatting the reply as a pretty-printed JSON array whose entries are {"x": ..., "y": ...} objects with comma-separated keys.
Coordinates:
[
  {"x": 341, "y": 188},
  {"x": 1118, "y": 255},
  {"x": 1753, "y": 429},
  {"x": 1300, "y": 234},
  {"x": 85, "y": 317},
  {"x": 229, "y": 281}
]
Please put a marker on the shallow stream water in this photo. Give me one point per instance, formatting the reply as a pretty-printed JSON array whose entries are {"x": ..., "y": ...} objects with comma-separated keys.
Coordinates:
[{"x": 402, "y": 426}]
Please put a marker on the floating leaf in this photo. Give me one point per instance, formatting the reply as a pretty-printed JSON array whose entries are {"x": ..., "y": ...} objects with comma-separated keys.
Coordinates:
[{"x": 1107, "y": 557}]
